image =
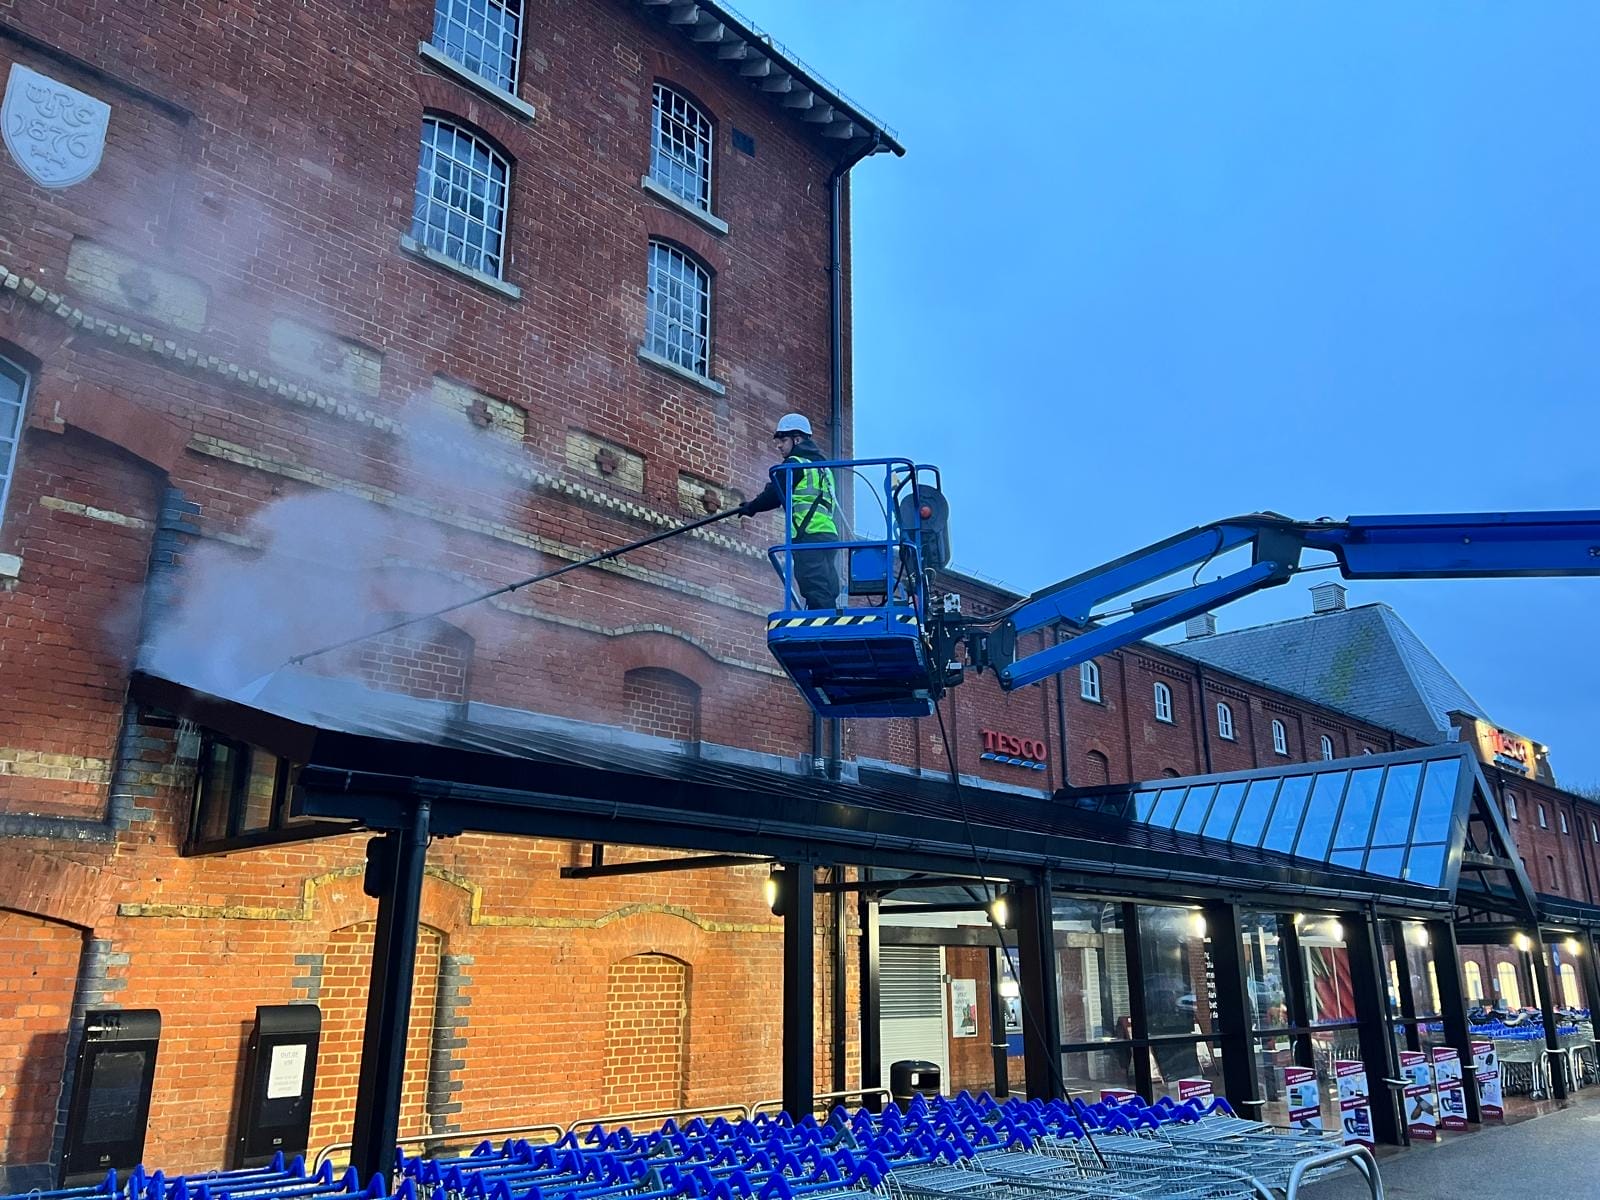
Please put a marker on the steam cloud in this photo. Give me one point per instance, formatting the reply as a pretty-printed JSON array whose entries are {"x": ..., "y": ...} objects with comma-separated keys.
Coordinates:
[{"x": 323, "y": 566}]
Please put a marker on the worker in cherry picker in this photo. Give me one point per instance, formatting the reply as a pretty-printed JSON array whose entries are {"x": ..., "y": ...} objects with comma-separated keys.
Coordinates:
[{"x": 813, "y": 510}]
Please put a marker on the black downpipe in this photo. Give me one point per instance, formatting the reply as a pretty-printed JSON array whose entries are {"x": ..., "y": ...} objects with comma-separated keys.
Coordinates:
[
  {"x": 1061, "y": 718},
  {"x": 836, "y": 388},
  {"x": 1200, "y": 716},
  {"x": 840, "y": 965}
]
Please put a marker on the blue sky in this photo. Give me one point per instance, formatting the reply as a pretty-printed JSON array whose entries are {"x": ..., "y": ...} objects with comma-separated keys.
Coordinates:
[{"x": 1147, "y": 265}]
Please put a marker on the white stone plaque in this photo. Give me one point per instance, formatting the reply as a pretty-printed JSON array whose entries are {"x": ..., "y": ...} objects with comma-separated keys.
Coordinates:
[{"x": 55, "y": 133}]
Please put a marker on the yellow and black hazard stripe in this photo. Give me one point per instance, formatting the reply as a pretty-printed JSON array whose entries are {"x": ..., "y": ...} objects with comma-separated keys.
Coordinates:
[{"x": 810, "y": 622}]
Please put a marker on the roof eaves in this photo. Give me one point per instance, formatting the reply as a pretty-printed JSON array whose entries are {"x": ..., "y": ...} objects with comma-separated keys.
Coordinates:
[{"x": 769, "y": 67}]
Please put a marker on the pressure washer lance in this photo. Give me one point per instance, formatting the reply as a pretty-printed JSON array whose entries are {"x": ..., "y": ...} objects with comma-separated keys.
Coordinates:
[{"x": 255, "y": 687}]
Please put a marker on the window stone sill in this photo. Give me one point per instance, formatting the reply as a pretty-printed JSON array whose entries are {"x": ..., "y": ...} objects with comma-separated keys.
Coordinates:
[
  {"x": 715, "y": 224},
  {"x": 428, "y": 254},
  {"x": 652, "y": 359},
  {"x": 476, "y": 82}
]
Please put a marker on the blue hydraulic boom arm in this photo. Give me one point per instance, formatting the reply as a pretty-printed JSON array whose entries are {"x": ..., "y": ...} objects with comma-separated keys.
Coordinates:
[{"x": 1438, "y": 546}]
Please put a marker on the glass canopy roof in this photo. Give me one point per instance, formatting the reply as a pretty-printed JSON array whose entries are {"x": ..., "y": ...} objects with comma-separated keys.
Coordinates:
[{"x": 1401, "y": 816}]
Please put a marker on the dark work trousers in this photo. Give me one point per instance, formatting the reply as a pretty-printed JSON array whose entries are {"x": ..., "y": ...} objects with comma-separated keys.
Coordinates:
[{"x": 816, "y": 572}]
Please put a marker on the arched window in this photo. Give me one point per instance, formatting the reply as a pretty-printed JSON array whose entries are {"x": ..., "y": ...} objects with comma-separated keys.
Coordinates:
[
  {"x": 1099, "y": 769},
  {"x": 13, "y": 402},
  {"x": 1552, "y": 873},
  {"x": 1163, "y": 703},
  {"x": 459, "y": 209},
  {"x": 678, "y": 321},
  {"x": 1280, "y": 737},
  {"x": 1224, "y": 720},
  {"x": 680, "y": 148},
  {"x": 1511, "y": 806},
  {"x": 482, "y": 35},
  {"x": 1327, "y": 747},
  {"x": 1089, "y": 682},
  {"x": 1168, "y": 773},
  {"x": 1506, "y": 975},
  {"x": 1544, "y": 821},
  {"x": 1474, "y": 974}
]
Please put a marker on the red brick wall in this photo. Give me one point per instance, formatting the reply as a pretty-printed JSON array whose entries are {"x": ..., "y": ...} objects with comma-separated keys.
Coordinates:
[
  {"x": 346, "y": 972},
  {"x": 971, "y": 1058},
  {"x": 1118, "y": 735},
  {"x": 38, "y": 974},
  {"x": 647, "y": 1001},
  {"x": 430, "y": 659}
]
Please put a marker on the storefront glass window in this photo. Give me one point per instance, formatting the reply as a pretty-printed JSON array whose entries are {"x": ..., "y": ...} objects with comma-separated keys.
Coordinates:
[
  {"x": 1419, "y": 963},
  {"x": 1327, "y": 971},
  {"x": 1178, "y": 979},
  {"x": 1506, "y": 976},
  {"x": 1571, "y": 993},
  {"x": 1275, "y": 1052},
  {"x": 1093, "y": 971},
  {"x": 1179, "y": 992},
  {"x": 1087, "y": 1072},
  {"x": 1266, "y": 969}
]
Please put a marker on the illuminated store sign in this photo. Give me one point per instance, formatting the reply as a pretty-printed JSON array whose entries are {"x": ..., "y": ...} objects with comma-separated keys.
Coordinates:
[{"x": 1014, "y": 751}]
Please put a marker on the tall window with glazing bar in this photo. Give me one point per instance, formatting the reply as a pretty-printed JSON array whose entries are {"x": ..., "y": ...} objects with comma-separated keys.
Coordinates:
[
  {"x": 680, "y": 148},
  {"x": 459, "y": 209},
  {"x": 482, "y": 35}
]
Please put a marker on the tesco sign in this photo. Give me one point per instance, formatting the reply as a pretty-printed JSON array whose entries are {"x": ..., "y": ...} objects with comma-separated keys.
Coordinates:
[{"x": 1015, "y": 751}]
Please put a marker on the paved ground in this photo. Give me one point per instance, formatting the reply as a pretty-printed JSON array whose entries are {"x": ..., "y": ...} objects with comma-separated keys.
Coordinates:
[{"x": 1553, "y": 1157}]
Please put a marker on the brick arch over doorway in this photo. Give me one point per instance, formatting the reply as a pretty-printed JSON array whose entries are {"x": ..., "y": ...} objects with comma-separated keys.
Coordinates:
[
  {"x": 647, "y": 1025},
  {"x": 346, "y": 972}
]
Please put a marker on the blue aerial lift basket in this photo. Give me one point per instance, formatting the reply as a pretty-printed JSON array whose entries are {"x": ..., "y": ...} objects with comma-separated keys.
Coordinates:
[{"x": 871, "y": 656}]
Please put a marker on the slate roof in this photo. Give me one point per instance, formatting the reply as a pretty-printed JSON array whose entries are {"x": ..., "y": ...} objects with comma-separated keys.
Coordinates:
[
  {"x": 736, "y": 46},
  {"x": 1364, "y": 661}
]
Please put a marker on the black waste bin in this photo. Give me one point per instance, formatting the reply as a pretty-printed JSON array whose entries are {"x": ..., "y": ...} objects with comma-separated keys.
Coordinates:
[{"x": 912, "y": 1076}]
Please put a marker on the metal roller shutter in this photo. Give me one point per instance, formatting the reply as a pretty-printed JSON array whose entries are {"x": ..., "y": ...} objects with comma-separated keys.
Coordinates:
[{"x": 913, "y": 1015}]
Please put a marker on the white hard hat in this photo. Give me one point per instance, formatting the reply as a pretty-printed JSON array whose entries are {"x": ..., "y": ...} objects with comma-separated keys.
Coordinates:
[{"x": 792, "y": 423}]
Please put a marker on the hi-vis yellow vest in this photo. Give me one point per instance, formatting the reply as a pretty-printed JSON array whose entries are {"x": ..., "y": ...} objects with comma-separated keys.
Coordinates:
[{"x": 812, "y": 509}]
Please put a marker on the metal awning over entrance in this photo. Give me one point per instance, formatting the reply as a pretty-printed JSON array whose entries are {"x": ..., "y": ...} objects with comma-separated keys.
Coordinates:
[
  {"x": 411, "y": 770},
  {"x": 369, "y": 758}
]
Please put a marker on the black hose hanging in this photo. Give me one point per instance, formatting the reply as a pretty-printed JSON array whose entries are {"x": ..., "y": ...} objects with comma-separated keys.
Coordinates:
[{"x": 297, "y": 659}]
